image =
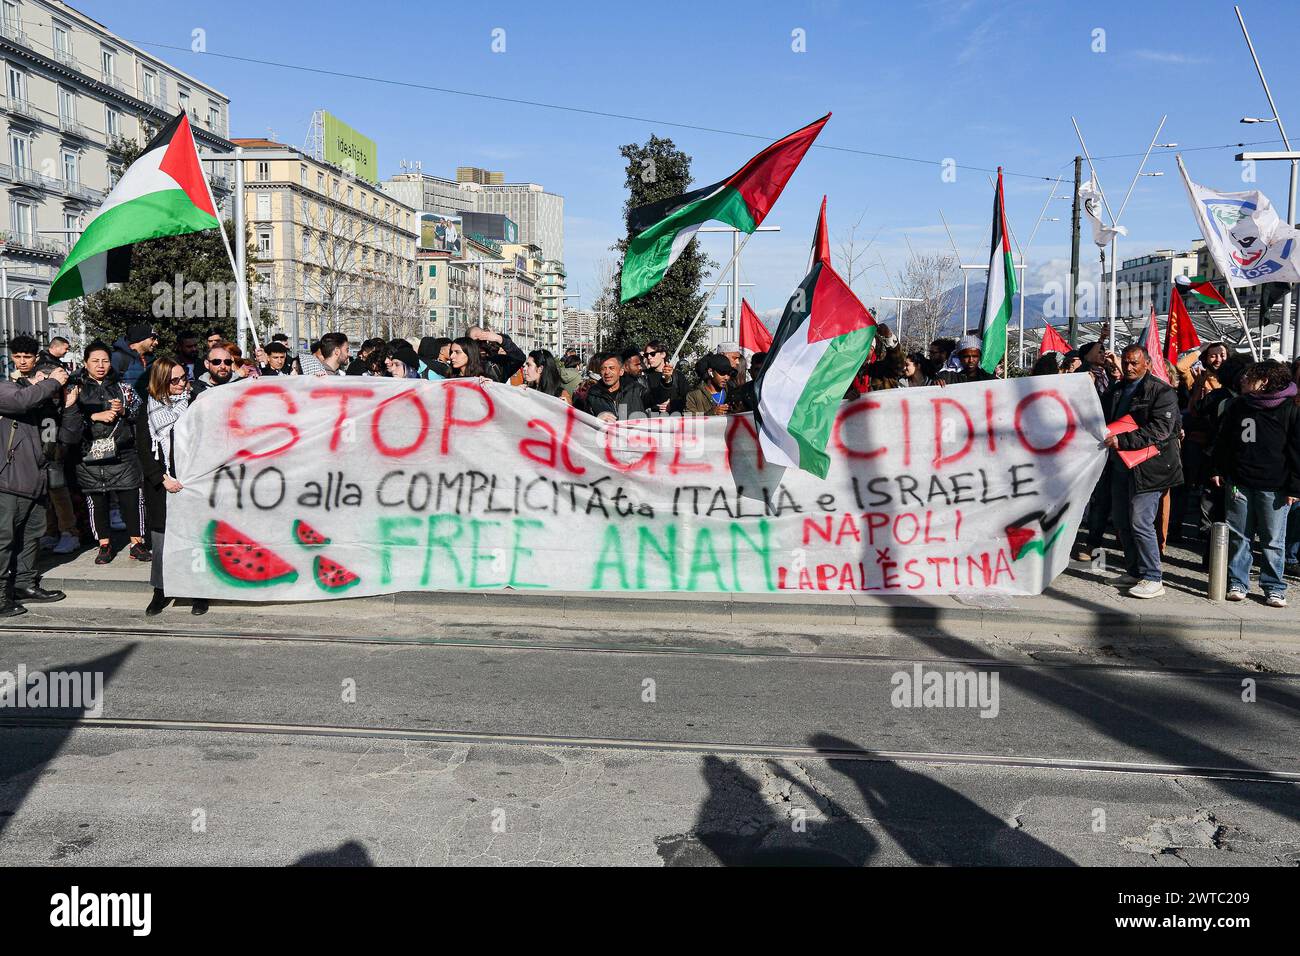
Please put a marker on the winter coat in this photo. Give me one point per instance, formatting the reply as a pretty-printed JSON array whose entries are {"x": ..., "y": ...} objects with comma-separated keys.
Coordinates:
[
  {"x": 127, "y": 363},
  {"x": 1258, "y": 447},
  {"x": 155, "y": 495},
  {"x": 633, "y": 397},
  {"x": 1154, "y": 408},
  {"x": 23, "y": 410},
  {"x": 699, "y": 401},
  {"x": 121, "y": 472}
]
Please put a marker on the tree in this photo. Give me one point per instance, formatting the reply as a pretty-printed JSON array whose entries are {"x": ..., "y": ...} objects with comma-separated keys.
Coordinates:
[
  {"x": 177, "y": 283},
  {"x": 655, "y": 171},
  {"x": 851, "y": 250},
  {"x": 928, "y": 278}
]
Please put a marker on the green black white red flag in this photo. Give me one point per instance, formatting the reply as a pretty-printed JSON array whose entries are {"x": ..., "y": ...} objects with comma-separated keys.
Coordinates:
[
  {"x": 163, "y": 193},
  {"x": 661, "y": 230},
  {"x": 1000, "y": 288},
  {"x": 824, "y": 336}
]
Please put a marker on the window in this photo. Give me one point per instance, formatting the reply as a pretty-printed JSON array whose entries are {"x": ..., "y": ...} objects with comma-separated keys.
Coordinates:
[
  {"x": 19, "y": 151},
  {"x": 149, "y": 84},
  {"x": 108, "y": 63},
  {"x": 306, "y": 243},
  {"x": 264, "y": 242},
  {"x": 302, "y": 177},
  {"x": 67, "y": 105},
  {"x": 17, "y": 87},
  {"x": 71, "y": 227},
  {"x": 20, "y": 218},
  {"x": 433, "y": 293},
  {"x": 71, "y": 168},
  {"x": 112, "y": 122},
  {"x": 214, "y": 118},
  {"x": 320, "y": 182},
  {"x": 13, "y": 17},
  {"x": 263, "y": 206},
  {"x": 183, "y": 99},
  {"x": 433, "y": 315},
  {"x": 62, "y": 42},
  {"x": 433, "y": 272},
  {"x": 349, "y": 195}
]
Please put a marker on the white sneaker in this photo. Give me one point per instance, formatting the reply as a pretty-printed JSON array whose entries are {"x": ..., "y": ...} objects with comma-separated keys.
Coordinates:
[
  {"x": 1147, "y": 589},
  {"x": 115, "y": 520},
  {"x": 68, "y": 542},
  {"x": 47, "y": 542},
  {"x": 1275, "y": 600},
  {"x": 1236, "y": 594}
]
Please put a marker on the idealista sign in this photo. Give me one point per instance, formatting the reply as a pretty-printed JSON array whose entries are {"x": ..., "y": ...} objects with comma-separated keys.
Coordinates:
[{"x": 349, "y": 149}]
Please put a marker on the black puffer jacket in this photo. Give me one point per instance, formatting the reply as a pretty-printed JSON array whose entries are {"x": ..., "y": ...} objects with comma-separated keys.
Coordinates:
[
  {"x": 24, "y": 409},
  {"x": 122, "y": 471},
  {"x": 1154, "y": 408}
]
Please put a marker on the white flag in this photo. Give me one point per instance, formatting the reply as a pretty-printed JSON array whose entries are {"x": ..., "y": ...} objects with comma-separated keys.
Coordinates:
[
  {"x": 1091, "y": 201},
  {"x": 1248, "y": 240}
]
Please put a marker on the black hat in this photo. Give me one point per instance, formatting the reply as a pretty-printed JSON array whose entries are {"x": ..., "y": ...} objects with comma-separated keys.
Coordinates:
[
  {"x": 716, "y": 363},
  {"x": 138, "y": 332},
  {"x": 403, "y": 352}
]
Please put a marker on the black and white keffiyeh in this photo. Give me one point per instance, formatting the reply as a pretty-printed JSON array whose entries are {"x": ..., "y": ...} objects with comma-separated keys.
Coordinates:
[{"x": 163, "y": 417}]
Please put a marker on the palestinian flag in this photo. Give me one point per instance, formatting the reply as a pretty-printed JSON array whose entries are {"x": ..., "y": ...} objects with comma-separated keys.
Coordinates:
[
  {"x": 1000, "y": 288},
  {"x": 661, "y": 230},
  {"x": 1180, "y": 334},
  {"x": 1035, "y": 533},
  {"x": 824, "y": 336},
  {"x": 1206, "y": 293},
  {"x": 163, "y": 193}
]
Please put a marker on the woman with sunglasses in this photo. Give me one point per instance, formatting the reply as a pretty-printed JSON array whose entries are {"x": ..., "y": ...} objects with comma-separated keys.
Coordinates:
[
  {"x": 155, "y": 443},
  {"x": 106, "y": 410}
]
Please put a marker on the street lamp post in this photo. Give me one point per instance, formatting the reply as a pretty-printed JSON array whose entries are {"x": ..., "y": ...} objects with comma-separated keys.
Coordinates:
[{"x": 900, "y": 299}]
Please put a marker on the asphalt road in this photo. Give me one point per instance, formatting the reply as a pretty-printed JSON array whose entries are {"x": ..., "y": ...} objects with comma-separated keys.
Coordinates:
[{"x": 546, "y": 743}]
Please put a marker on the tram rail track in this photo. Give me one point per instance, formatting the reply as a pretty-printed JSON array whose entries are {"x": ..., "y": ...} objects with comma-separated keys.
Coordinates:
[{"x": 760, "y": 750}]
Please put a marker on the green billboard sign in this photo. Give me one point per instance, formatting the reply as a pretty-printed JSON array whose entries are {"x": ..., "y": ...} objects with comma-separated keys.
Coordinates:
[{"x": 349, "y": 149}]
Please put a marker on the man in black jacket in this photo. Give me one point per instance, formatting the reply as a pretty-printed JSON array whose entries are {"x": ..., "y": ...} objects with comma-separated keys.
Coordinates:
[
  {"x": 617, "y": 397},
  {"x": 23, "y": 483},
  {"x": 1136, "y": 492},
  {"x": 970, "y": 352}
]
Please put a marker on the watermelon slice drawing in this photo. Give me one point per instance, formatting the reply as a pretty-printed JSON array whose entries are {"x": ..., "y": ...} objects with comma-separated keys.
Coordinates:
[
  {"x": 240, "y": 561},
  {"x": 332, "y": 576},
  {"x": 307, "y": 536}
]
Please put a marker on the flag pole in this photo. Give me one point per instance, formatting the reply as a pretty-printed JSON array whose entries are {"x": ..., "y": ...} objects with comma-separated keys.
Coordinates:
[
  {"x": 1241, "y": 317},
  {"x": 245, "y": 324},
  {"x": 707, "y": 298}
]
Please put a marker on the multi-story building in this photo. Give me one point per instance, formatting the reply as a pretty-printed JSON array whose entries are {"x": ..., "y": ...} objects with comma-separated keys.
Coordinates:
[
  {"x": 74, "y": 93},
  {"x": 522, "y": 274},
  {"x": 581, "y": 330},
  {"x": 550, "y": 295},
  {"x": 539, "y": 214},
  {"x": 429, "y": 193},
  {"x": 472, "y": 174},
  {"x": 333, "y": 252},
  {"x": 476, "y": 292},
  {"x": 1147, "y": 281}
]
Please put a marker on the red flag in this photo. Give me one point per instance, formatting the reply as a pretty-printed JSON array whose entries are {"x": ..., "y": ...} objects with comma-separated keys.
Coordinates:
[
  {"x": 1151, "y": 342},
  {"x": 1052, "y": 341},
  {"x": 754, "y": 336},
  {"x": 1180, "y": 334}
]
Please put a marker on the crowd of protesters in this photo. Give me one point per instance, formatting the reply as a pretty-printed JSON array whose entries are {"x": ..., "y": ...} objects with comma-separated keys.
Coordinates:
[{"x": 94, "y": 448}]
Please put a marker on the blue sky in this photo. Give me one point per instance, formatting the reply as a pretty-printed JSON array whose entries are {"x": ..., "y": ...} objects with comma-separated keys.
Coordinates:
[{"x": 982, "y": 82}]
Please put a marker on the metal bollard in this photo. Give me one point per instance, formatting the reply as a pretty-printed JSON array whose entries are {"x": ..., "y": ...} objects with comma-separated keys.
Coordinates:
[{"x": 1218, "y": 586}]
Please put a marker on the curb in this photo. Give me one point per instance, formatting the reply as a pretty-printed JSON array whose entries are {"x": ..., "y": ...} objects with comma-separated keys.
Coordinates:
[{"x": 938, "y": 617}]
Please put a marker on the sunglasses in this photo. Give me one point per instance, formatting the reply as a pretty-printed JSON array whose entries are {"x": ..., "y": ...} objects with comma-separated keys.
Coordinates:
[
  {"x": 221, "y": 361},
  {"x": 180, "y": 378},
  {"x": 654, "y": 352}
]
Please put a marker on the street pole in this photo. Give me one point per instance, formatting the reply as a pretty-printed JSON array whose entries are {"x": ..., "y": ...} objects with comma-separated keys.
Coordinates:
[
  {"x": 1288, "y": 328},
  {"x": 1074, "y": 256},
  {"x": 241, "y": 335}
]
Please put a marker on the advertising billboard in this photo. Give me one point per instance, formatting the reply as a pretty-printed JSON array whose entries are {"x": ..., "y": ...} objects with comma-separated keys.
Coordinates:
[
  {"x": 349, "y": 149},
  {"x": 440, "y": 232}
]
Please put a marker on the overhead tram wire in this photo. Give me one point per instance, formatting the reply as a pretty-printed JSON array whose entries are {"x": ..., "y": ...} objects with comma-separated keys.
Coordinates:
[{"x": 572, "y": 109}]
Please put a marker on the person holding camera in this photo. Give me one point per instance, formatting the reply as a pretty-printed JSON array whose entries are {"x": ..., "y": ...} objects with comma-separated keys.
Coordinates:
[
  {"x": 103, "y": 423},
  {"x": 25, "y": 407}
]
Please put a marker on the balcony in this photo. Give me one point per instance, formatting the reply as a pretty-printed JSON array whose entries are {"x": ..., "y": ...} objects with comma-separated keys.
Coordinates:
[
  {"x": 32, "y": 243},
  {"x": 66, "y": 58},
  {"x": 85, "y": 193},
  {"x": 110, "y": 79},
  {"x": 70, "y": 126},
  {"x": 22, "y": 107},
  {"x": 156, "y": 100},
  {"x": 13, "y": 31}
]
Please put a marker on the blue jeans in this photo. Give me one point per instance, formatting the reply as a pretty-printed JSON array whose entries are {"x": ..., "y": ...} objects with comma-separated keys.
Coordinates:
[
  {"x": 1293, "y": 534},
  {"x": 1134, "y": 517},
  {"x": 1252, "y": 512}
]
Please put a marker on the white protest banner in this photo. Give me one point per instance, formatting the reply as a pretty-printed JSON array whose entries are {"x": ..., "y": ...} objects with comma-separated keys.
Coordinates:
[{"x": 307, "y": 488}]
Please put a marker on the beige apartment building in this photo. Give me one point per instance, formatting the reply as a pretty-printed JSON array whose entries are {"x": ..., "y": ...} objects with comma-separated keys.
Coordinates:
[
  {"x": 333, "y": 253},
  {"x": 449, "y": 288},
  {"x": 74, "y": 91},
  {"x": 523, "y": 274}
]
